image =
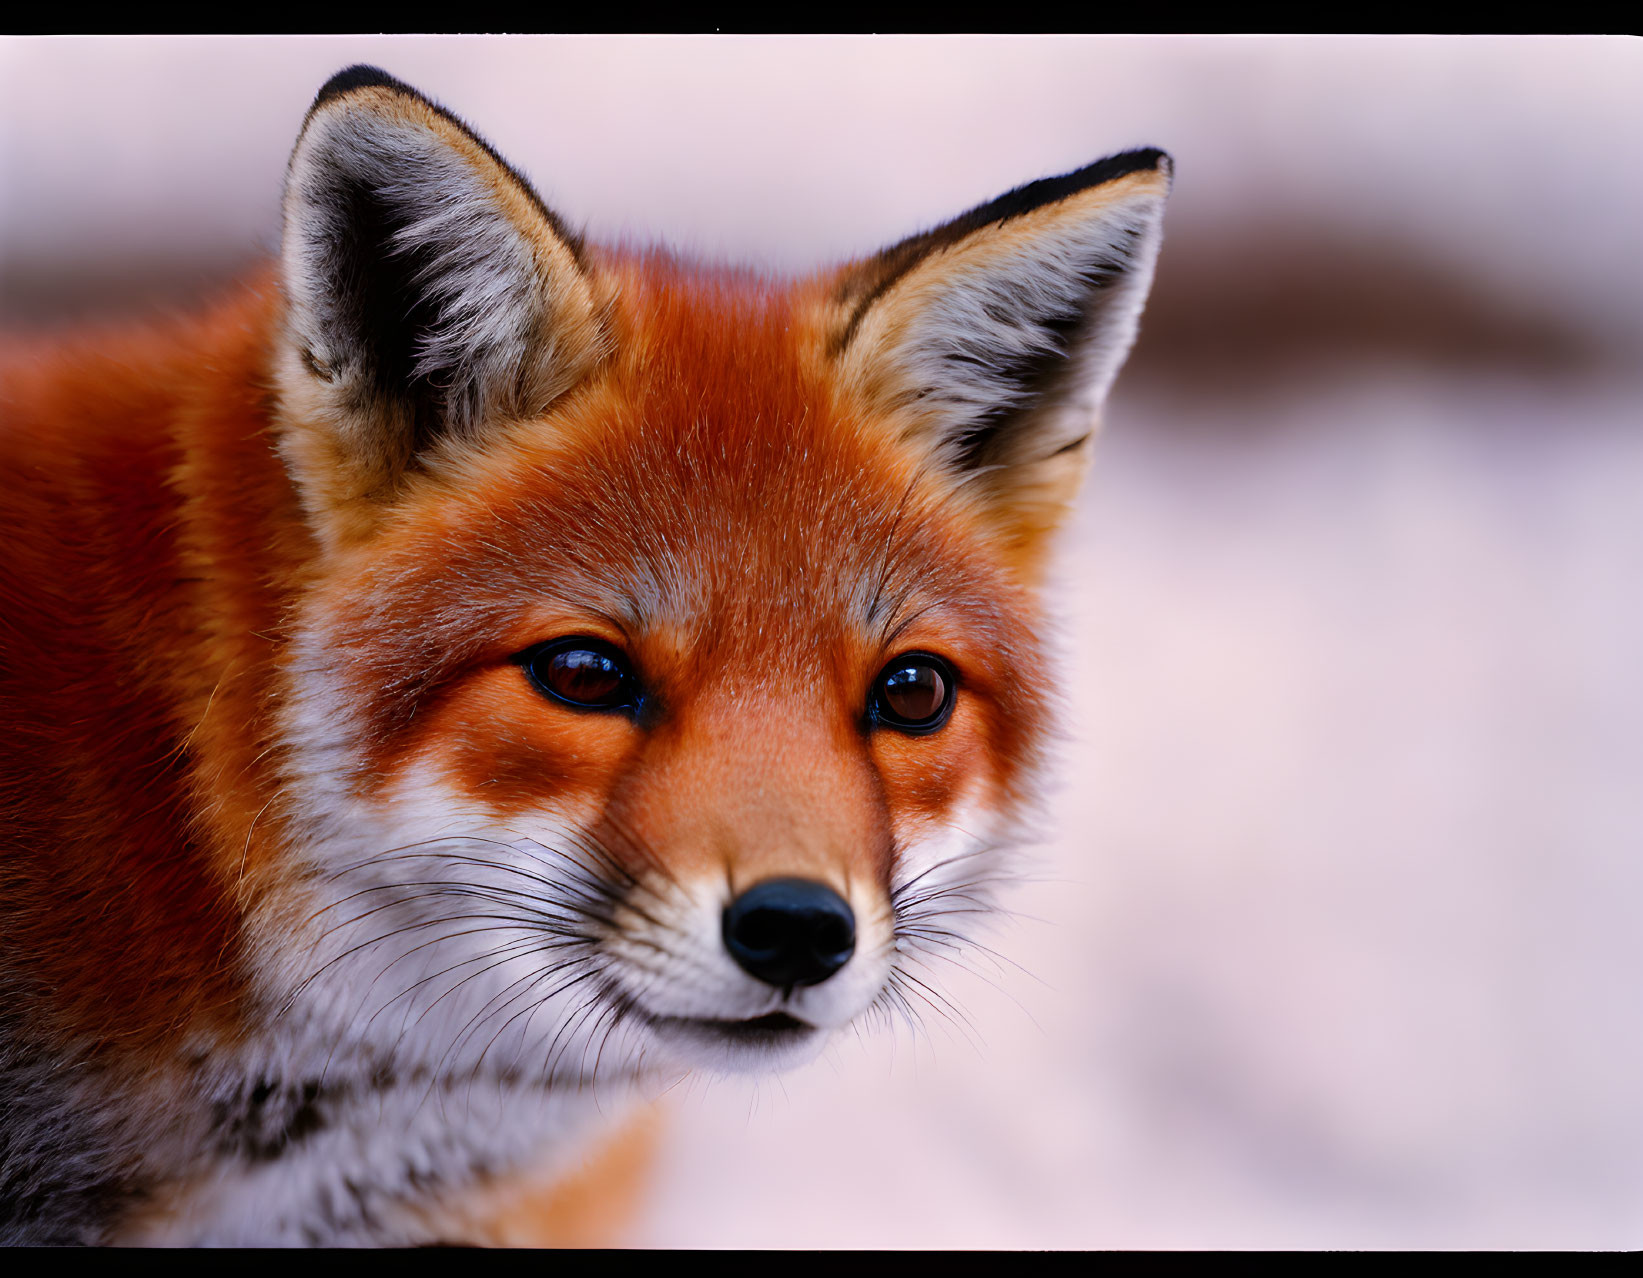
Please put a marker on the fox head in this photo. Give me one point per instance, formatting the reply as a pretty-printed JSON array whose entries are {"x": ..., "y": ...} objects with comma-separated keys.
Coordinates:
[{"x": 669, "y": 678}]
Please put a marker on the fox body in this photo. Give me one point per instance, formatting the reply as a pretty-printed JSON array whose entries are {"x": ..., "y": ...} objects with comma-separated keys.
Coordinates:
[{"x": 471, "y": 675}]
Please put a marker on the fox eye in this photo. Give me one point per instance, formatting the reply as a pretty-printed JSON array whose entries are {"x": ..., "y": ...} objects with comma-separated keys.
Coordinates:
[
  {"x": 914, "y": 693},
  {"x": 587, "y": 673}
]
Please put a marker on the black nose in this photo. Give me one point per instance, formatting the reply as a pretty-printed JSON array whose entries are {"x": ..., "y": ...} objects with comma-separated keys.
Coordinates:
[{"x": 790, "y": 932}]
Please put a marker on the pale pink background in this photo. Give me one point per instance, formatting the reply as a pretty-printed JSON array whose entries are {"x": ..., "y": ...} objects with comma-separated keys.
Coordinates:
[{"x": 1336, "y": 935}]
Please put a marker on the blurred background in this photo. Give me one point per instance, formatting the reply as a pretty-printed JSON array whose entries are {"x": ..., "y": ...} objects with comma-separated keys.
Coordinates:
[{"x": 1333, "y": 939}]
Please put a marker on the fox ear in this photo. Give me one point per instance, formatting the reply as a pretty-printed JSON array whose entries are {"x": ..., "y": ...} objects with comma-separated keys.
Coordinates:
[
  {"x": 430, "y": 297},
  {"x": 991, "y": 342}
]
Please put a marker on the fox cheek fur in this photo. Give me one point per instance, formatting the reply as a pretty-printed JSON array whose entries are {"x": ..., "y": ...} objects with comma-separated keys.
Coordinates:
[{"x": 579, "y": 665}]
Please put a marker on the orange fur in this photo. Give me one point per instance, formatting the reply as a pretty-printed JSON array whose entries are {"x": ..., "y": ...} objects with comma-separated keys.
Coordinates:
[{"x": 153, "y": 549}]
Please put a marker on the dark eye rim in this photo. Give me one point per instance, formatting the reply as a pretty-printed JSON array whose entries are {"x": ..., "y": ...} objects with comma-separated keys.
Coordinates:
[
  {"x": 632, "y": 698},
  {"x": 880, "y": 714}
]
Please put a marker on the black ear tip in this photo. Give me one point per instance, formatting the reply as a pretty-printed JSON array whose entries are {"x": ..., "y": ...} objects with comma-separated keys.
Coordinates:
[
  {"x": 359, "y": 76},
  {"x": 1145, "y": 159},
  {"x": 1160, "y": 162}
]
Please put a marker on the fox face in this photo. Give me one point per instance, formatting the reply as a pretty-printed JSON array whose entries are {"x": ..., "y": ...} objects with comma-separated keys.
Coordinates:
[
  {"x": 675, "y": 676},
  {"x": 736, "y": 715},
  {"x": 592, "y": 666}
]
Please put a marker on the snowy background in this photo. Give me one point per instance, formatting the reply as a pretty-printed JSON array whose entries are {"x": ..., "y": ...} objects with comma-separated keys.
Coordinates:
[{"x": 1336, "y": 941}]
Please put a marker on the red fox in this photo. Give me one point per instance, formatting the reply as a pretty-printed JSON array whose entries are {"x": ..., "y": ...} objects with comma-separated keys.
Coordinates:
[{"x": 472, "y": 675}]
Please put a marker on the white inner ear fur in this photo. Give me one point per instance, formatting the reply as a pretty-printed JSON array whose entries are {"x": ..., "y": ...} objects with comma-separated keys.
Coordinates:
[
  {"x": 516, "y": 315},
  {"x": 941, "y": 346}
]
